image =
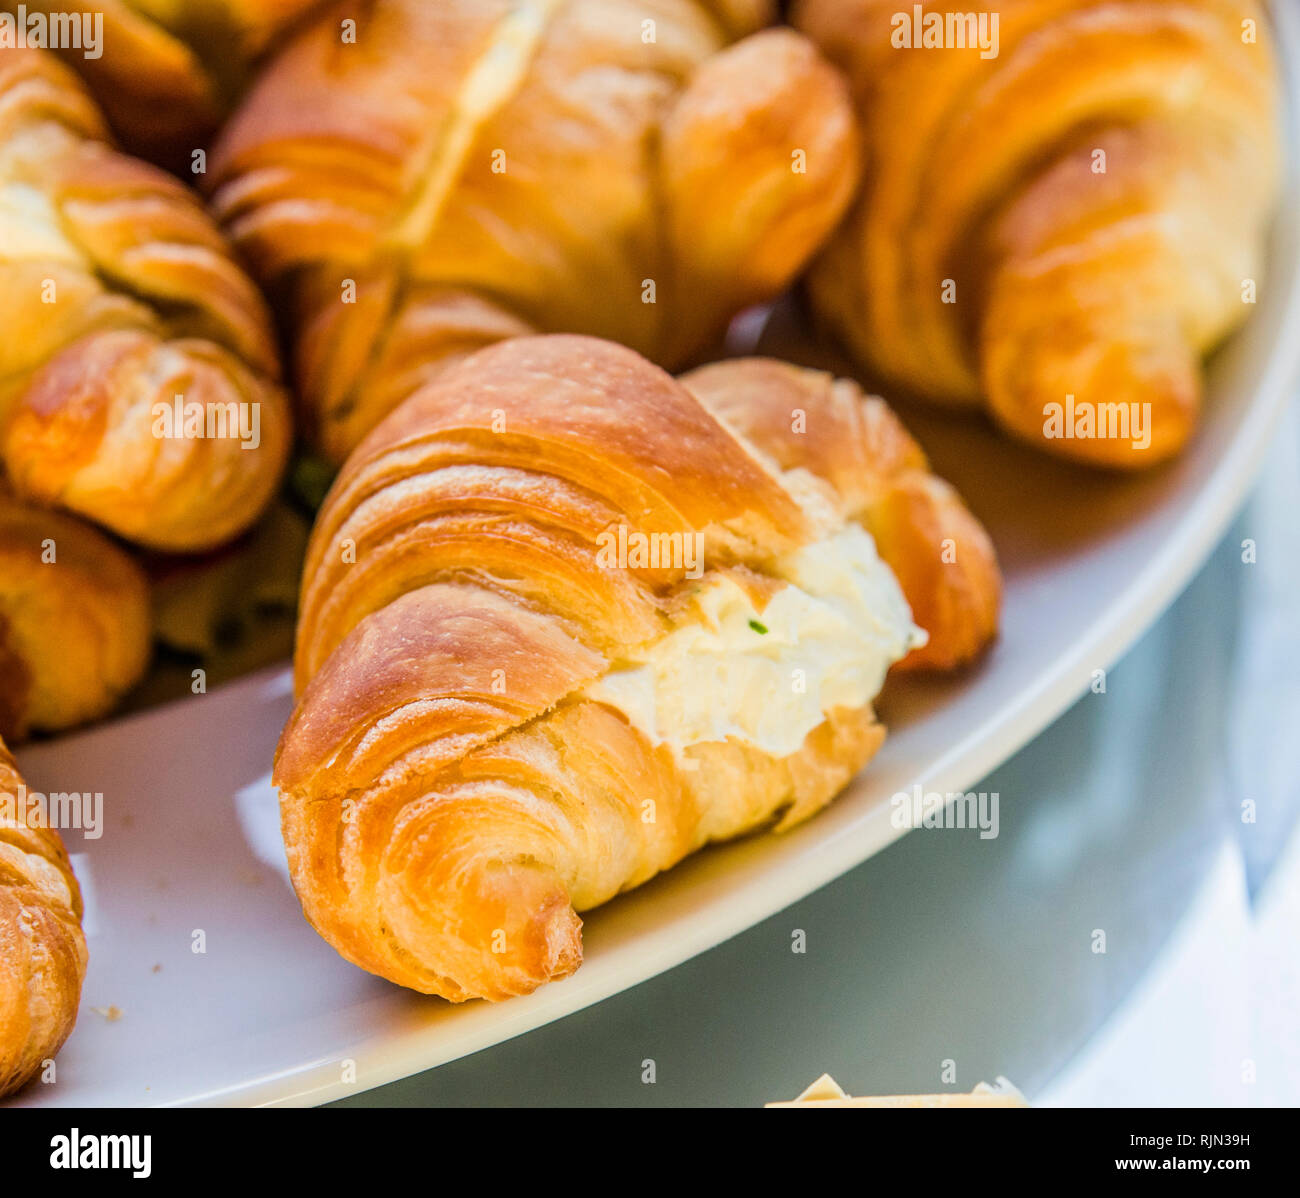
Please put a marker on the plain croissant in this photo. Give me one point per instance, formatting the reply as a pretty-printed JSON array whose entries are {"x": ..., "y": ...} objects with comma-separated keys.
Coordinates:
[
  {"x": 471, "y": 170},
  {"x": 74, "y": 620},
  {"x": 42, "y": 948},
  {"x": 1063, "y": 208},
  {"x": 166, "y": 72},
  {"x": 122, "y": 305},
  {"x": 563, "y": 623}
]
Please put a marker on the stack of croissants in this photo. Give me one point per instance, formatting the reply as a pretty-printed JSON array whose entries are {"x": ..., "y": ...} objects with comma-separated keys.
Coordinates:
[{"x": 566, "y": 617}]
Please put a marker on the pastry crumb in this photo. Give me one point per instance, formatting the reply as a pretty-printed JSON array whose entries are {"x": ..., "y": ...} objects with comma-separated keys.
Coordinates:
[{"x": 111, "y": 1013}]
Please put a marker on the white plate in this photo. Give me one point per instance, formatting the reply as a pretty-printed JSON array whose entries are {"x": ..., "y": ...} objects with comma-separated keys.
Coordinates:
[{"x": 269, "y": 1014}]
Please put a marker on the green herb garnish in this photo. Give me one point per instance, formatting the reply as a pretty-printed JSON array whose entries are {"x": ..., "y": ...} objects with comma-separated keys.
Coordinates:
[{"x": 757, "y": 627}]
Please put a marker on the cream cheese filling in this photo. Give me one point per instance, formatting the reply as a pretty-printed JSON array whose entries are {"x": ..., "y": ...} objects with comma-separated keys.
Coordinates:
[{"x": 768, "y": 678}]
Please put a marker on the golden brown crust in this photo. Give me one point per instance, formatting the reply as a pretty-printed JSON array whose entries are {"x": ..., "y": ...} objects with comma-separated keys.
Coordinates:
[
  {"x": 360, "y": 367},
  {"x": 86, "y": 437},
  {"x": 169, "y": 70},
  {"x": 550, "y": 159},
  {"x": 450, "y": 797},
  {"x": 119, "y": 295},
  {"x": 1076, "y": 215},
  {"x": 744, "y": 233},
  {"x": 42, "y": 948},
  {"x": 940, "y": 553},
  {"x": 74, "y": 621},
  {"x": 612, "y": 431}
]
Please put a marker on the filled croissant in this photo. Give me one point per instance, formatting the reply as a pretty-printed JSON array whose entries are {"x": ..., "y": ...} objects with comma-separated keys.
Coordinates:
[
  {"x": 166, "y": 71},
  {"x": 472, "y": 170},
  {"x": 564, "y": 622},
  {"x": 1063, "y": 208},
  {"x": 74, "y": 621},
  {"x": 42, "y": 948},
  {"x": 137, "y": 366}
]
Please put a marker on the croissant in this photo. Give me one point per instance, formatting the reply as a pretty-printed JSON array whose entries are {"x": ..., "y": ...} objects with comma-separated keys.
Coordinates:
[
  {"x": 74, "y": 621},
  {"x": 168, "y": 71},
  {"x": 42, "y": 948},
  {"x": 562, "y": 623},
  {"x": 138, "y": 367},
  {"x": 1063, "y": 210},
  {"x": 479, "y": 169}
]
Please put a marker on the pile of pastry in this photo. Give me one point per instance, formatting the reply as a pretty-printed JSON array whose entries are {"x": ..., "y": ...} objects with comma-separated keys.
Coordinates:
[{"x": 568, "y": 613}]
